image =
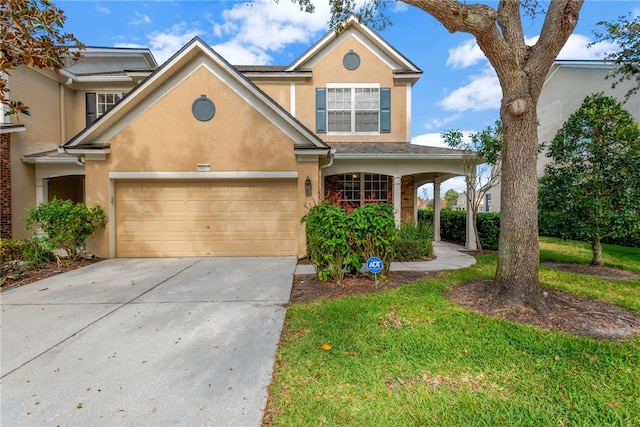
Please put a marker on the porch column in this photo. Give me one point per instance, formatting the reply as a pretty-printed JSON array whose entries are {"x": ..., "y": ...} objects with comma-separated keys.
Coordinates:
[
  {"x": 397, "y": 198},
  {"x": 42, "y": 190},
  {"x": 436, "y": 210},
  {"x": 471, "y": 243}
]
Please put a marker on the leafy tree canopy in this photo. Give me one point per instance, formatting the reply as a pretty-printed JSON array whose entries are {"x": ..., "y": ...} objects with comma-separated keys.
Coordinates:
[
  {"x": 31, "y": 34},
  {"x": 451, "y": 198},
  {"x": 626, "y": 34},
  {"x": 591, "y": 189}
]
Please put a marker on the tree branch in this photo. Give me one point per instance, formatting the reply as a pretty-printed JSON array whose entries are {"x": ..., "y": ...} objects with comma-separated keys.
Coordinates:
[{"x": 560, "y": 20}]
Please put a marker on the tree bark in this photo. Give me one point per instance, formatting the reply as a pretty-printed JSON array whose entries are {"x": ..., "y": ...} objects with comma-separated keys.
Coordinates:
[{"x": 596, "y": 247}]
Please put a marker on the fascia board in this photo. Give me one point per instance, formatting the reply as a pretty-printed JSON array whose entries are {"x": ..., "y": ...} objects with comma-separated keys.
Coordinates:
[
  {"x": 43, "y": 160},
  {"x": 387, "y": 156},
  {"x": 173, "y": 73}
]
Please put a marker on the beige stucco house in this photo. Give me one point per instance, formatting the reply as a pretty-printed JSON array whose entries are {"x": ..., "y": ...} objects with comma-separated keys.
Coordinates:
[
  {"x": 566, "y": 86},
  {"x": 203, "y": 158}
]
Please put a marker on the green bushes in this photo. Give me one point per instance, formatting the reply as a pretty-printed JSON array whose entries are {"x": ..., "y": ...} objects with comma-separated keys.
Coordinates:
[
  {"x": 66, "y": 224},
  {"x": 338, "y": 239},
  {"x": 414, "y": 241},
  {"x": 14, "y": 254},
  {"x": 453, "y": 226}
]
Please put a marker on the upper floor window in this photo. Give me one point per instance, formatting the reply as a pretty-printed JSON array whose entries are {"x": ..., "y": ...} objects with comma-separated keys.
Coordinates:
[
  {"x": 362, "y": 109},
  {"x": 99, "y": 103},
  {"x": 353, "y": 110},
  {"x": 106, "y": 101}
]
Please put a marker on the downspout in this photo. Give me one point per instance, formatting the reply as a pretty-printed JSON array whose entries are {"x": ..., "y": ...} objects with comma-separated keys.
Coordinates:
[
  {"x": 63, "y": 115},
  {"x": 331, "y": 156}
]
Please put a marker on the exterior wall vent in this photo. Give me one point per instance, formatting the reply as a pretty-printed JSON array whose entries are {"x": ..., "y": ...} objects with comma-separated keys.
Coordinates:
[{"x": 204, "y": 167}]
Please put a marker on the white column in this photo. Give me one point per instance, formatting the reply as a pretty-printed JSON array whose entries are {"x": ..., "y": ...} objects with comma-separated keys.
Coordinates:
[
  {"x": 42, "y": 190},
  {"x": 471, "y": 243},
  {"x": 397, "y": 198},
  {"x": 436, "y": 210}
]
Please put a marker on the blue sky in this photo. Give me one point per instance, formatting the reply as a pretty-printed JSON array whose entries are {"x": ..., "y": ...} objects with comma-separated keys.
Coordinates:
[{"x": 458, "y": 89}]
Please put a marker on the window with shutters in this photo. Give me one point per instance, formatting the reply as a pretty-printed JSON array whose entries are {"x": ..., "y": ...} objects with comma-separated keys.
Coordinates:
[{"x": 362, "y": 109}]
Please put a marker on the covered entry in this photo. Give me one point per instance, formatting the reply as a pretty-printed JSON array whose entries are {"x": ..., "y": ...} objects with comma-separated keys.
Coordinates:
[{"x": 165, "y": 218}]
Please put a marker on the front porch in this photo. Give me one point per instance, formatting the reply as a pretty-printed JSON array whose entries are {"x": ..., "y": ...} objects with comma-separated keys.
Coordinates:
[{"x": 392, "y": 173}]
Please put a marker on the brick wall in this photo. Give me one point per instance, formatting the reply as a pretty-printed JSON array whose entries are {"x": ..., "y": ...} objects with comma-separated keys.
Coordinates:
[
  {"x": 5, "y": 185},
  {"x": 407, "y": 194}
]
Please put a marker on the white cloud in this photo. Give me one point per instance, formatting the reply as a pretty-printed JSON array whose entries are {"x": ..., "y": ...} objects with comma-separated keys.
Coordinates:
[
  {"x": 103, "y": 9},
  {"x": 140, "y": 19},
  {"x": 250, "y": 32},
  {"x": 635, "y": 12},
  {"x": 577, "y": 48},
  {"x": 434, "y": 139},
  {"x": 438, "y": 123},
  {"x": 482, "y": 93},
  {"x": 164, "y": 44},
  {"x": 235, "y": 53},
  {"x": 399, "y": 7},
  {"x": 465, "y": 54}
]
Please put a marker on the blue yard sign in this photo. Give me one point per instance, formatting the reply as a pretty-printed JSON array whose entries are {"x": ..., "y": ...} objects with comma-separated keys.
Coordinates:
[{"x": 374, "y": 264}]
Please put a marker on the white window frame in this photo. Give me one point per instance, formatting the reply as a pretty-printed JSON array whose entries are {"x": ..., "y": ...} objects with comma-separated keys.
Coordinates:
[
  {"x": 105, "y": 103},
  {"x": 352, "y": 87}
]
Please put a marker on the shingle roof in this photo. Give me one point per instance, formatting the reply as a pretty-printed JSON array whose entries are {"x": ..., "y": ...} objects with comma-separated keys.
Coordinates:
[{"x": 391, "y": 148}]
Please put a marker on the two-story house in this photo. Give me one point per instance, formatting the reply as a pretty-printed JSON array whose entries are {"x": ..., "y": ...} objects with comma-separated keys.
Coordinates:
[
  {"x": 61, "y": 105},
  {"x": 206, "y": 158}
]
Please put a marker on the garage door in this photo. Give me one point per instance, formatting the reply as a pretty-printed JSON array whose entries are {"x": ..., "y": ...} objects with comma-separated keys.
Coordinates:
[{"x": 206, "y": 218}]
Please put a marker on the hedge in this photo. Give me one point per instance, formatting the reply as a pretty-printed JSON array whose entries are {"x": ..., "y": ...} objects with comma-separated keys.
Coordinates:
[{"x": 453, "y": 225}]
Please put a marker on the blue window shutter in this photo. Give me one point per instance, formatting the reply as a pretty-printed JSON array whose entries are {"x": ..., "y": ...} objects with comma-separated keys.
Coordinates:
[
  {"x": 321, "y": 109},
  {"x": 385, "y": 109}
]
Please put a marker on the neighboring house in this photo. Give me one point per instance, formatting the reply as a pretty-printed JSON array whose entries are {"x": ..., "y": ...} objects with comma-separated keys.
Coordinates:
[
  {"x": 61, "y": 105},
  {"x": 203, "y": 158},
  {"x": 461, "y": 203},
  {"x": 565, "y": 87}
]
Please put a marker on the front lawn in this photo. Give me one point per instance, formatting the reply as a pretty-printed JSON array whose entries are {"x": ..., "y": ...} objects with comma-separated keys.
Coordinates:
[{"x": 411, "y": 357}]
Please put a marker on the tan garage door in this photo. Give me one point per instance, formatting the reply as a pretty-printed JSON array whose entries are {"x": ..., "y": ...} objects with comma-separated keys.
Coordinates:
[{"x": 212, "y": 218}]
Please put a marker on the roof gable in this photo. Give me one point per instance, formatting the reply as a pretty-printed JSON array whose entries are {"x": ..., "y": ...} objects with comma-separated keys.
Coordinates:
[
  {"x": 193, "y": 56},
  {"x": 369, "y": 38}
]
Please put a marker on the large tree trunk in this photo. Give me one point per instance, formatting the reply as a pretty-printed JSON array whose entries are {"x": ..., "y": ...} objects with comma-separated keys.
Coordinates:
[
  {"x": 596, "y": 246},
  {"x": 516, "y": 282},
  {"x": 521, "y": 70}
]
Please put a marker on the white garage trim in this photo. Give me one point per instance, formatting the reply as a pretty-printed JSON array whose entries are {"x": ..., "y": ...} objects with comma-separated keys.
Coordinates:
[{"x": 206, "y": 175}]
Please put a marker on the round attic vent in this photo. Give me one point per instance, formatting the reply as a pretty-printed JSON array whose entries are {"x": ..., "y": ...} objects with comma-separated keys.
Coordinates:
[
  {"x": 203, "y": 108},
  {"x": 351, "y": 60}
]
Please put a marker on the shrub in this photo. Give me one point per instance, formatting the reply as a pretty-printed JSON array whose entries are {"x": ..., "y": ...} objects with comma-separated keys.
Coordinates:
[
  {"x": 15, "y": 253},
  {"x": 67, "y": 225},
  {"x": 340, "y": 239},
  {"x": 373, "y": 233},
  {"x": 35, "y": 252},
  {"x": 414, "y": 241},
  {"x": 328, "y": 245}
]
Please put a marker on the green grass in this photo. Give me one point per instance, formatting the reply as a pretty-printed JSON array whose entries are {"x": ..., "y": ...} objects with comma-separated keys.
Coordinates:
[{"x": 447, "y": 366}]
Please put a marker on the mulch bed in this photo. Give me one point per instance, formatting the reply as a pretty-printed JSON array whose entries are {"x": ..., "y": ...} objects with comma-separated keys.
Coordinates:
[
  {"x": 308, "y": 288},
  {"x": 28, "y": 275}
]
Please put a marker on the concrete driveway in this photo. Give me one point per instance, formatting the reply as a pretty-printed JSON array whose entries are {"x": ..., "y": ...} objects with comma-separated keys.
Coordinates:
[{"x": 165, "y": 342}]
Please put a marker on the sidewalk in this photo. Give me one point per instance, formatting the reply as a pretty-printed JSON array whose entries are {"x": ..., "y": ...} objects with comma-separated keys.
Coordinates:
[{"x": 448, "y": 257}]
